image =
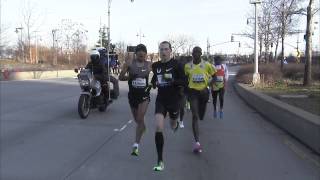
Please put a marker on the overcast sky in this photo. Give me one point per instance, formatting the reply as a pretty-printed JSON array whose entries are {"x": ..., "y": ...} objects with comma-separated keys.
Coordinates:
[{"x": 156, "y": 19}]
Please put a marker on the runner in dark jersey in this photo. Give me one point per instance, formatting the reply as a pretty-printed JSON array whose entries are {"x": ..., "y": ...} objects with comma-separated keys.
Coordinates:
[
  {"x": 139, "y": 95},
  {"x": 168, "y": 77},
  {"x": 184, "y": 103}
]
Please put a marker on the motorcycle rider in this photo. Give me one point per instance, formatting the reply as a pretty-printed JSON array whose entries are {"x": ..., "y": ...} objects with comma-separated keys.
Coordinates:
[
  {"x": 99, "y": 70},
  {"x": 104, "y": 60}
]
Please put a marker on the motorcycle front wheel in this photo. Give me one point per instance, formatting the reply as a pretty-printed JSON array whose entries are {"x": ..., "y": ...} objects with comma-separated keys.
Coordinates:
[{"x": 84, "y": 106}]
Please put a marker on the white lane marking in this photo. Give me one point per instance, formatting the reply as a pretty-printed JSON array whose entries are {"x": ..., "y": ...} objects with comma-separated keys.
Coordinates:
[
  {"x": 300, "y": 153},
  {"x": 123, "y": 127},
  {"x": 232, "y": 74}
]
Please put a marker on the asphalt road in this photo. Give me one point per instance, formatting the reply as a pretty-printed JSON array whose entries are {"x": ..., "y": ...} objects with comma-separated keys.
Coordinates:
[{"x": 43, "y": 138}]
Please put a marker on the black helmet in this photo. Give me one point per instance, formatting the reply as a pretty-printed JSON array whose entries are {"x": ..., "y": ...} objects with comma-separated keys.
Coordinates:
[
  {"x": 218, "y": 60},
  {"x": 95, "y": 56}
]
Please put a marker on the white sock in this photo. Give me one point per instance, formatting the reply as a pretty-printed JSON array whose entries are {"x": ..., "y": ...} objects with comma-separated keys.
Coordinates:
[{"x": 136, "y": 145}]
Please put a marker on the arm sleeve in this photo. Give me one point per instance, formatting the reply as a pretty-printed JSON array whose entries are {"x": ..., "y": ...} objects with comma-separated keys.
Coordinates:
[
  {"x": 212, "y": 69},
  {"x": 226, "y": 72},
  {"x": 181, "y": 77}
]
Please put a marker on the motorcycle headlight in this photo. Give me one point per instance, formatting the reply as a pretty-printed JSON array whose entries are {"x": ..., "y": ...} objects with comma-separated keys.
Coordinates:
[{"x": 84, "y": 82}]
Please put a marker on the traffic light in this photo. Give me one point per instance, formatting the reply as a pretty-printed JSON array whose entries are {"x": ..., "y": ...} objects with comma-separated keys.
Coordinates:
[{"x": 232, "y": 38}]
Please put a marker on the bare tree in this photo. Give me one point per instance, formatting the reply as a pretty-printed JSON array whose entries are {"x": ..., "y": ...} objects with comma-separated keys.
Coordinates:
[
  {"x": 285, "y": 11},
  {"x": 265, "y": 26},
  {"x": 65, "y": 38},
  {"x": 180, "y": 43},
  {"x": 4, "y": 40},
  {"x": 31, "y": 20},
  {"x": 307, "y": 80},
  {"x": 120, "y": 49},
  {"x": 277, "y": 21}
]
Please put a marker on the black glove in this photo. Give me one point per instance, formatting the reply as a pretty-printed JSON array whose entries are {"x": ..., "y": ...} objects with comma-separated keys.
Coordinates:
[{"x": 148, "y": 88}]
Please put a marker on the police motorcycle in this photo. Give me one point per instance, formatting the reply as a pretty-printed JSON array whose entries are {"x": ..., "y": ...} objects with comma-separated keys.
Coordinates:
[{"x": 93, "y": 94}]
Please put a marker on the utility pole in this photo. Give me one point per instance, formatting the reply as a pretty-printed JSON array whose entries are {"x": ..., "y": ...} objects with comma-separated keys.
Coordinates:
[
  {"x": 0, "y": 29},
  {"x": 36, "y": 53},
  {"x": 208, "y": 49},
  {"x": 256, "y": 75},
  {"x": 100, "y": 32},
  {"x": 307, "y": 79},
  {"x": 55, "y": 59}
]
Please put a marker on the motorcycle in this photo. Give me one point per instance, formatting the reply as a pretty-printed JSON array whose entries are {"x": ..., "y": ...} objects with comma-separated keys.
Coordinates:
[{"x": 92, "y": 95}]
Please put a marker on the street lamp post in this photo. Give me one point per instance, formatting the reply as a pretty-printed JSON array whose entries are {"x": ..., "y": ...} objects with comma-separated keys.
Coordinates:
[
  {"x": 22, "y": 49},
  {"x": 140, "y": 35},
  {"x": 108, "y": 43},
  {"x": 256, "y": 75},
  {"x": 109, "y": 6}
]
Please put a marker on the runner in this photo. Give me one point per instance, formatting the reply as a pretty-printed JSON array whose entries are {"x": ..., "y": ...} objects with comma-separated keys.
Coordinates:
[
  {"x": 219, "y": 85},
  {"x": 184, "y": 104},
  {"x": 168, "y": 77},
  {"x": 199, "y": 74},
  {"x": 139, "y": 96}
]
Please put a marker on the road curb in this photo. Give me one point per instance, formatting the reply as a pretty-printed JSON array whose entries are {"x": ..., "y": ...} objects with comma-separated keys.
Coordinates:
[
  {"x": 301, "y": 124},
  {"x": 7, "y": 75}
]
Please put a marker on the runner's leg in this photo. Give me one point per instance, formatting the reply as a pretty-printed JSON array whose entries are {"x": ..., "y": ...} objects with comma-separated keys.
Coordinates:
[
  {"x": 142, "y": 108},
  {"x": 194, "y": 103},
  {"x": 203, "y": 99}
]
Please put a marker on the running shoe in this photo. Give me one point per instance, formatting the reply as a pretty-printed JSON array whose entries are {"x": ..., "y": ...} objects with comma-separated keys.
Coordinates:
[
  {"x": 215, "y": 115},
  {"x": 181, "y": 124},
  {"x": 197, "y": 148},
  {"x": 188, "y": 105},
  {"x": 221, "y": 114},
  {"x": 135, "y": 151},
  {"x": 176, "y": 128},
  {"x": 159, "y": 166}
]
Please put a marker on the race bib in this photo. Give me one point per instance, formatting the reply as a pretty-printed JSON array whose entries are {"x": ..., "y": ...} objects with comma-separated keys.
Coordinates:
[
  {"x": 167, "y": 76},
  {"x": 162, "y": 81},
  {"x": 219, "y": 79},
  {"x": 198, "y": 78},
  {"x": 139, "y": 83}
]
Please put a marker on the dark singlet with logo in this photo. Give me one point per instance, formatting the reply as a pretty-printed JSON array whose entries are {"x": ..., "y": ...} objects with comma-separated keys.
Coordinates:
[
  {"x": 138, "y": 77},
  {"x": 164, "y": 76}
]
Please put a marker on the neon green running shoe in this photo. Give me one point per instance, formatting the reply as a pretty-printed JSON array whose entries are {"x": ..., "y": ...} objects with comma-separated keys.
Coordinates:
[
  {"x": 135, "y": 151},
  {"x": 159, "y": 166}
]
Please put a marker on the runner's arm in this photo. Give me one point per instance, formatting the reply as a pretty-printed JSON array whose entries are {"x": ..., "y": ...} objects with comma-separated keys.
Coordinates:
[
  {"x": 226, "y": 77},
  {"x": 124, "y": 70},
  {"x": 154, "y": 77},
  {"x": 213, "y": 72}
]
